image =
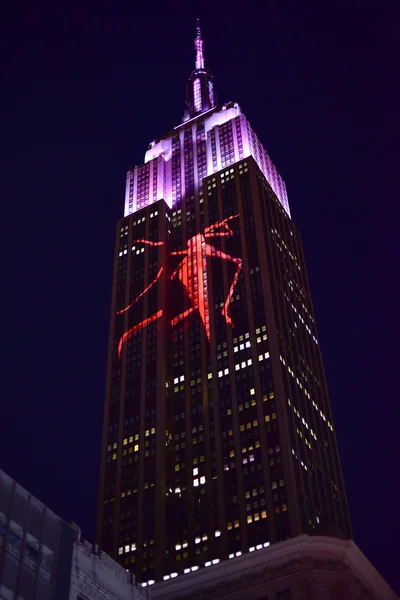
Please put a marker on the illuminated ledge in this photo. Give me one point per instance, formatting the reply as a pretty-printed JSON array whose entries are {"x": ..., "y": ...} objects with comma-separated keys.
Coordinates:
[
  {"x": 200, "y": 117},
  {"x": 308, "y": 567}
]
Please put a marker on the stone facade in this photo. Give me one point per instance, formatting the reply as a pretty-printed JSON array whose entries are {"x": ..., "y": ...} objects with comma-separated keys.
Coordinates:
[
  {"x": 302, "y": 568},
  {"x": 95, "y": 576}
]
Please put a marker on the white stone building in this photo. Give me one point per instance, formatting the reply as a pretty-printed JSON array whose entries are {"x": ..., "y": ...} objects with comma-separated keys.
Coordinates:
[
  {"x": 301, "y": 568},
  {"x": 95, "y": 576}
]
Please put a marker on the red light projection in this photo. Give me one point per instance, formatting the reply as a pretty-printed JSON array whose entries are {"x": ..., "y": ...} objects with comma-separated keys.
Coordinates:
[{"x": 192, "y": 272}]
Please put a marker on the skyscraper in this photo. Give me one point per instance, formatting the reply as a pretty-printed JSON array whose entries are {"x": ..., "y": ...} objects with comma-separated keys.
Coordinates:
[{"x": 218, "y": 434}]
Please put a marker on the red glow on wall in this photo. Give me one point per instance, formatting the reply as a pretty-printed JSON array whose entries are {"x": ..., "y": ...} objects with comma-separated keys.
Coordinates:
[
  {"x": 119, "y": 312},
  {"x": 192, "y": 272},
  {"x": 137, "y": 328}
]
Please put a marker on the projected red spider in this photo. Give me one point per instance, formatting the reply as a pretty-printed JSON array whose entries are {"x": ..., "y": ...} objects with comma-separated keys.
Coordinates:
[{"x": 192, "y": 272}]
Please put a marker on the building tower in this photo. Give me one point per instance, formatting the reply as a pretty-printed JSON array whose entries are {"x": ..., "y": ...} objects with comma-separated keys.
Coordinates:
[{"x": 218, "y": 434}]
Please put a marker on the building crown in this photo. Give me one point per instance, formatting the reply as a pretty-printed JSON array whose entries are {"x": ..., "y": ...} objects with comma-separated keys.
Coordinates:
[{"x": 200, "y": 91}]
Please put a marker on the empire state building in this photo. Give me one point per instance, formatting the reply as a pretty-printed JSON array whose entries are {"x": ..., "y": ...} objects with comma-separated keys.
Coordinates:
[{"x": 218, "y": 435}]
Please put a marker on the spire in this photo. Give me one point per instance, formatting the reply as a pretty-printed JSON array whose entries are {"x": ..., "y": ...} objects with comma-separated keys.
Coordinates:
[
  {"x": 199, "y": 47},
  {"x": 200, "y": 94}
]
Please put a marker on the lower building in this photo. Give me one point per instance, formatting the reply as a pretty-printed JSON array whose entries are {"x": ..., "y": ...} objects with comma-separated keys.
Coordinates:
[
  {"x": 301, "y": 568},
  {"x": 44, "y": 558},
  {"x": 96, "y": 576}
]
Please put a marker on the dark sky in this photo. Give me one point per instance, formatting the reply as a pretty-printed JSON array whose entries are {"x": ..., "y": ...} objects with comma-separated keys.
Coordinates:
[{"x": 85, "y": 87}]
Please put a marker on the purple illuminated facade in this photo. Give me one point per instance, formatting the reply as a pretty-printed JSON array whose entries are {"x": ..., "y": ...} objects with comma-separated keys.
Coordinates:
[
  {"x": 220, "y": 137},
  {"x": 218, "y": 436}
]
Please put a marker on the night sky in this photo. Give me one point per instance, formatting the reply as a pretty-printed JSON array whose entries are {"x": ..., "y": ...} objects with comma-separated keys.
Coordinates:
[{"x": 85, "y": 87}]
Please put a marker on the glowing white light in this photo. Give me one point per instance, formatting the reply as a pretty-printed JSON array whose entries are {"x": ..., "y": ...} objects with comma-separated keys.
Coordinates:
[
  {"x": 197, "y": 94},
  {"x": 211, "y": 93}
]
